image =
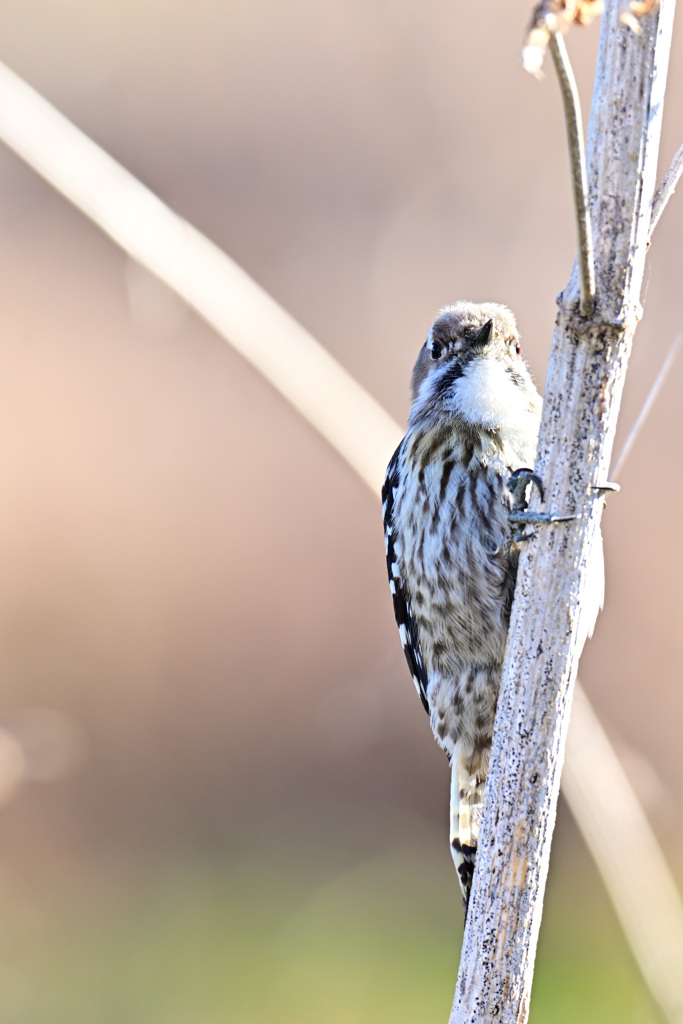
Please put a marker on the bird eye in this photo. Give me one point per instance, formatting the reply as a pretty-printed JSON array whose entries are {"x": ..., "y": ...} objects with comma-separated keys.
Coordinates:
[
  {"x": 436, "y": 350},
  {"x": 518, "y": 348}
]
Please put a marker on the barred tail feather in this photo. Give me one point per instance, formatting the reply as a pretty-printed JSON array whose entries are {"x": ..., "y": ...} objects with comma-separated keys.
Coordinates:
[{"x": 468, "y": 780}]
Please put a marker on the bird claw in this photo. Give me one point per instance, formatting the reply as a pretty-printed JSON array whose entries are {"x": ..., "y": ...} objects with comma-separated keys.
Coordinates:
[
  {"x": 520, "y": 515},
  {"x": 518, "y": 483},
  {"x": 604, "y": 488},
  {"x": 524, "y": 518}
]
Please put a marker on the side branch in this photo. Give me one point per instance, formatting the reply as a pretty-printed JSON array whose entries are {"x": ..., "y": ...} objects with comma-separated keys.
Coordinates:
[{"x": 577, "y": 161}]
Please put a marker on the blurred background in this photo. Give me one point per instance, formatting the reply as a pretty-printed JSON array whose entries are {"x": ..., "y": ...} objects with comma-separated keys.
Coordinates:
[{"x": 220, "y": 796}]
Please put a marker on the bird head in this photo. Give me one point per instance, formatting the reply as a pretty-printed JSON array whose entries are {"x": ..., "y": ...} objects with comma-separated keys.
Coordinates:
[{"x": 471, "y": 369}]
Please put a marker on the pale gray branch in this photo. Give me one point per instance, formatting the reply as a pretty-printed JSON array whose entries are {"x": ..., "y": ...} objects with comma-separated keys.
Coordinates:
[
  {"x": 582, "y": 397},
  {"x": 577, "y": 164}
]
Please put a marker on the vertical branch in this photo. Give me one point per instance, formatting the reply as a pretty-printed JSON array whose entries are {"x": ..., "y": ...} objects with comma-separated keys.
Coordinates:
[{"x": 582, "y": 397}]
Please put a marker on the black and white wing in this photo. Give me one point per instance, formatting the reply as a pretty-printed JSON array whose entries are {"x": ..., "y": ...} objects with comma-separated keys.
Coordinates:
[{"x": 404, "y": 618}]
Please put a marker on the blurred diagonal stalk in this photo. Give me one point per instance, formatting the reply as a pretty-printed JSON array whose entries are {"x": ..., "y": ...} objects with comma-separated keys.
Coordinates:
[
  {"x": 203, "y": 275},
  {"x": 626, "y": 851},
  {"x": 612, "y": 820},
  {"x": 354, "y": 423}
]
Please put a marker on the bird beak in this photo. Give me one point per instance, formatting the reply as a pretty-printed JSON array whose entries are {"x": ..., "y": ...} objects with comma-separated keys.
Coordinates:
[{"x": 483, "y": 336}]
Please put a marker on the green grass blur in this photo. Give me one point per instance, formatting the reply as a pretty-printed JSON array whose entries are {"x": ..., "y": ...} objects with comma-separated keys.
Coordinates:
[{"x": 247, "y": 943}]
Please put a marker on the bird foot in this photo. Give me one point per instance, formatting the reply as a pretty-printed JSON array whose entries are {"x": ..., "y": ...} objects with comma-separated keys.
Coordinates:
[
  {"x": 518, "y": 484},
  {"x": 606, "y": 487},
  {"x": 520, "y": 515}
]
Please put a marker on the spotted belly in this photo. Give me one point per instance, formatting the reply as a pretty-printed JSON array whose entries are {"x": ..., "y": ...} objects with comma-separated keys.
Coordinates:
[{"x": 459, "y": 568}]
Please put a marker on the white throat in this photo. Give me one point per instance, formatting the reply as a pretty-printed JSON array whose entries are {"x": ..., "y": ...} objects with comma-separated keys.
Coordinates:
[{"x": 487, "y": 395}]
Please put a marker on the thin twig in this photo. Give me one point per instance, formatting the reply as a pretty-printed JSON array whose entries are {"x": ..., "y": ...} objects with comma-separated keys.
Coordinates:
[
  {"x": 647, "y": 406},
  {"x": 666, "y": 190},
  {"x": 577, "y": 162}
]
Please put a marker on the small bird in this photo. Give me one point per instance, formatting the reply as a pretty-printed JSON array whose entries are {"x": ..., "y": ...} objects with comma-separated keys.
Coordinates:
[{"x": 452, "y": 553}]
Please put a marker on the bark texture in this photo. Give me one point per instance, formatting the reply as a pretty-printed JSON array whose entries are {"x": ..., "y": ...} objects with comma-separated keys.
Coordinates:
[{"x": 582, "y": 396}]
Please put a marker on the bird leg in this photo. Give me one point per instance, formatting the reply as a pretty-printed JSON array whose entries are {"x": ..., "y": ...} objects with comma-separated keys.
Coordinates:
[{"x": 520, "y": 515}]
